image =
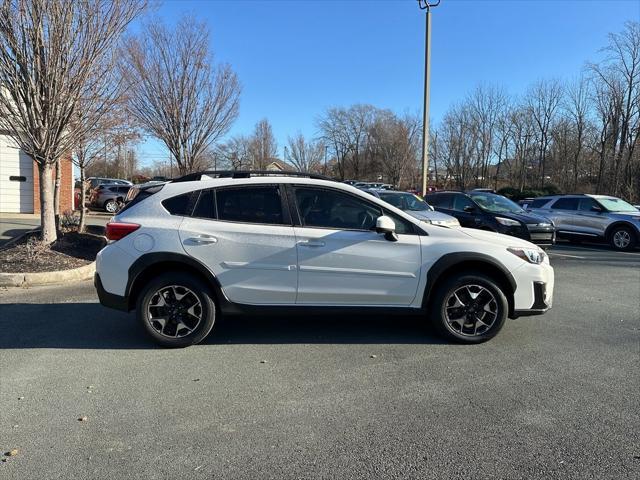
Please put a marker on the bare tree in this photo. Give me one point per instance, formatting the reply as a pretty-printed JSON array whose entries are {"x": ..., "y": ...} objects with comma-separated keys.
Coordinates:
[
  {"x": 263, "y": 147},
  {"x": 543, "y": 99},
  {"x": 235, "y": 154},
  {"x": 175, "y": 91},
  {"x": 305, "y": 155},
  {"x": 617, "y": 80},
  {"x": 576, "y": 106},
  {"x": 51, "y": 55},
  {"x": 333, "y": 131}
]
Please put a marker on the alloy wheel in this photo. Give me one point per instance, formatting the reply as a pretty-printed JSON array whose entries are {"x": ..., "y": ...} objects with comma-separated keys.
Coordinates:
[
  {"x": 621, "y": 239},
  {"x": 111, "y": 207},
  {"x": 174, "y": 311},
  {"x": 471, "y": 310}
]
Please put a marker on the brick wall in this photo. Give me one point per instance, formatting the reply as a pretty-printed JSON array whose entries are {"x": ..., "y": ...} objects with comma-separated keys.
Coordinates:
[{"x": 66, "y": 186}]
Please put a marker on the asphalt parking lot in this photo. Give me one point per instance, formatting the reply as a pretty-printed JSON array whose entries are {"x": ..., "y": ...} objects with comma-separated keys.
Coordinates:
[{"x": 555, "y": 396}]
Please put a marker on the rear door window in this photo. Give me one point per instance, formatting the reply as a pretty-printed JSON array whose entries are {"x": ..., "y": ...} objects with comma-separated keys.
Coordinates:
[
  {"x": 538, "y": 203},
  {"x": 252, "y": 204},
  {"x": 565, "y": 204}
]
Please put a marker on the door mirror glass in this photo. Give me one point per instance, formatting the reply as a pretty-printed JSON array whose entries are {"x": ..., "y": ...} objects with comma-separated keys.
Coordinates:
[{"x": 387, "y": 226}]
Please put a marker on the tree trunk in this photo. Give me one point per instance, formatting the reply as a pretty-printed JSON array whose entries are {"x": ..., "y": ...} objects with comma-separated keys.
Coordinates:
[
  {"x": 56, "y": 195},
  {"x": 47, "y": 209},
  {"x": 82, "y": 207}
]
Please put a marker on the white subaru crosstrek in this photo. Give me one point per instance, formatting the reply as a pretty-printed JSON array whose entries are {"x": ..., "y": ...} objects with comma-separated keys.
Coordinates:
[{"x": 212, "y": 243}]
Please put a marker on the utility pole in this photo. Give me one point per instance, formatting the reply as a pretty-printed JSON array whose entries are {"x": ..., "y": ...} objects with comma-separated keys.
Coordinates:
[{"x": 426, "y": 5}]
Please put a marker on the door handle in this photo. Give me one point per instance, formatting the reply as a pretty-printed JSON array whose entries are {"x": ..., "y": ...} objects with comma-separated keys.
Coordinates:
[
  {"x": 311, "y": 243},
  {"x": 203, "y": 239}
]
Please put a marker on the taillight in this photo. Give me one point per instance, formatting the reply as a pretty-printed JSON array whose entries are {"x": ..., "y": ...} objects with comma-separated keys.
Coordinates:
[{"x": 118, "y": 230}]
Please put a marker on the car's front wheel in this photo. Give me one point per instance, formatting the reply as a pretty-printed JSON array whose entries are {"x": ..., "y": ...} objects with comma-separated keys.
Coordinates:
[
  {"x": 176, "y": 309},
  {"x": 469, "y": 308},
  {"x": 623, "y": 238}
]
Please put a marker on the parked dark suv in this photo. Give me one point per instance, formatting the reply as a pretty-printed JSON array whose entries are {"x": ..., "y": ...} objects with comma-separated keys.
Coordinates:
[{"x": 488, "y": 211}]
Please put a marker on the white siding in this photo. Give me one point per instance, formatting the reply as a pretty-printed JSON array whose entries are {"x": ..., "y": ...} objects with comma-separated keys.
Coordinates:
[{"x": 15, "y": 196}]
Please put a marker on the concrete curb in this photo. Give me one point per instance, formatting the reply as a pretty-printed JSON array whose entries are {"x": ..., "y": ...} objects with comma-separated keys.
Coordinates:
[{"x": 47, "y": 278}]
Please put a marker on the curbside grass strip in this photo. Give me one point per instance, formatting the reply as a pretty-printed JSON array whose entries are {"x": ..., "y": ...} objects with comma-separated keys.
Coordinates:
[{"x": 47, "y": 278}]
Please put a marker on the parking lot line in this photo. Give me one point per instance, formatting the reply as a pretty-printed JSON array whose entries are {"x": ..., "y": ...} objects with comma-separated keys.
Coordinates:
[{"x": 565, "y": 255}]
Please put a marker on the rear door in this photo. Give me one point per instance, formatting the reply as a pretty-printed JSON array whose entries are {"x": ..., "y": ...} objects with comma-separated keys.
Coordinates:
[
  {"x": 343, "y": 261},
  {"x": 564, "y": 214},
  {"x": 243, "y": 234}
]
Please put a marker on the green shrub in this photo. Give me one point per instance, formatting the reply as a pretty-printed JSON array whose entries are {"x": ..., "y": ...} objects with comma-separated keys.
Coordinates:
[{"x": 515, "y": 194}]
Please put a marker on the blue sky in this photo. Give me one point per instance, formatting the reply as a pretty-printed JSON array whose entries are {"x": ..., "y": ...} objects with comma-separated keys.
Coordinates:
[{"x": 295, "y": 58}]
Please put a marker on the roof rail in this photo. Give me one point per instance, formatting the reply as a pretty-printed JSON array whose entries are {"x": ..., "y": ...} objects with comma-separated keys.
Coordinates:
[{"x": 191, "y": 177}]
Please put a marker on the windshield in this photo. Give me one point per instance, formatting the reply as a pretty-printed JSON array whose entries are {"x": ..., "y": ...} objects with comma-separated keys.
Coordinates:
[
  {"x": 617, "y": 205},
  {"x": 496, "y": 203},
  {"x": 405, "y": 201}
]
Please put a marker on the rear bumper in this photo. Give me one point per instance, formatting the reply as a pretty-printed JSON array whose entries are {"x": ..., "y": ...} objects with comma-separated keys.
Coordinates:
[{"x": 110, "y": 300}]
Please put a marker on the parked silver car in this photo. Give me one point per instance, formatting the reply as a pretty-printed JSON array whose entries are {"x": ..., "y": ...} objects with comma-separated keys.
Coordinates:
[
  {"x": 414, "y": 206},
  {"x": 109, "y": 197},
  {"x": 591, "y": 217}
]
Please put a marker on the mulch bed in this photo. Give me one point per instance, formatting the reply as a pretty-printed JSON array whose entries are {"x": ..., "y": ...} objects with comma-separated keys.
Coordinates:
[{"x": 71, "y": 250}]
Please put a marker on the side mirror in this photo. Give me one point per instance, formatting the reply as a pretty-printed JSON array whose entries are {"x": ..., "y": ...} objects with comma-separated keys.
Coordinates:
[
  {"x": 596, "y": 208},
  {"x": 387, "y": 226},
  {"x": 469, "y": 209}
]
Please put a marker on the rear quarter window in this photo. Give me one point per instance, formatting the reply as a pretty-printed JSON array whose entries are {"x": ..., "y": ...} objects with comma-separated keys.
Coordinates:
[{"x": 177, "y": 205}]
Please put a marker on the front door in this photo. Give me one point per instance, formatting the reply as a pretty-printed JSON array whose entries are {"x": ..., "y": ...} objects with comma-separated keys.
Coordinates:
[
  {"x": 343, "y": 261},
  {"x": 248, "y": 242},
  {"x": 467, "y": 212}
]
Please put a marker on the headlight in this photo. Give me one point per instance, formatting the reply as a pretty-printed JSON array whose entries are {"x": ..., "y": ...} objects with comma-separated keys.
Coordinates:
[
  {"x": 507, "y": 222},
  {"x": 531, "y": 255}
]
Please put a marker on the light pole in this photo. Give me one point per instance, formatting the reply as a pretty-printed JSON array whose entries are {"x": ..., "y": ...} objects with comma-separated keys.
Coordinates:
[{"x": 426, "y": 5}]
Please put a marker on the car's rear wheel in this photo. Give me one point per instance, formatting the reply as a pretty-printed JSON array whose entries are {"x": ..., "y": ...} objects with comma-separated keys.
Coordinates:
[
  {"x": 176, "y": 309},
  {"x": 623, "y": 238},
  {"x": 469, "y": 308},
  {"x": 111, "y": 206}
]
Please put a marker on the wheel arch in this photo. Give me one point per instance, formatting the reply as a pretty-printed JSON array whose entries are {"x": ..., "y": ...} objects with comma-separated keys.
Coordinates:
[
  {"x": 617, "y": 224},
  {"x": 456, "y": 263},
  {"x": 152, "y": 264}
]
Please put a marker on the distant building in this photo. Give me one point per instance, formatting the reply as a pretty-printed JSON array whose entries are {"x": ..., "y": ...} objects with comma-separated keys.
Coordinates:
[
  {"x": 19, "y": 183},
  {"x": 277, "y": 165}
]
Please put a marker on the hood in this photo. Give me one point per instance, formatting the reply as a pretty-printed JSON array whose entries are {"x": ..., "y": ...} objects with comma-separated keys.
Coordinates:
[
  {"x": 430, "y": 215},
  {"x": 524, "y": 217},
  {"x": 625, "y": 215},
  {"x": 497, "y": 238}
]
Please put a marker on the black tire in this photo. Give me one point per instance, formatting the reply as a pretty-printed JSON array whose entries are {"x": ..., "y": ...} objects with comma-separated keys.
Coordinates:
[
  {"x": 163, "y": 333},
  {"x": 111, "y": 206},
  {"x": 443, "y": 294},
  {"x": 626, "y": 233}
]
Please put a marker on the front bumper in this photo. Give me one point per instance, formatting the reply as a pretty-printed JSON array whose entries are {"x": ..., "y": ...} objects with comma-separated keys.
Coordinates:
[
  {"x": 542, "y": 236},
  {"x": 107, "y": 299},
  {"x": 545, "y": 236},
  {"x": 541, "y": 302}
]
